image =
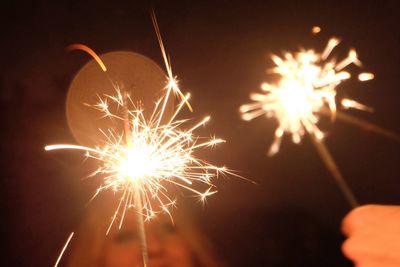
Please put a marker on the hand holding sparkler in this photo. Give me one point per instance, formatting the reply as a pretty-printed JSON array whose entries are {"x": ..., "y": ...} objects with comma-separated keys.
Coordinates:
[{"x": 373, "y": 233}]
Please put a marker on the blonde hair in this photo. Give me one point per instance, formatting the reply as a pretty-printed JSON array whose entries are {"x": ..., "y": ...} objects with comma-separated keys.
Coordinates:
[{"x": 90, "y": 239}]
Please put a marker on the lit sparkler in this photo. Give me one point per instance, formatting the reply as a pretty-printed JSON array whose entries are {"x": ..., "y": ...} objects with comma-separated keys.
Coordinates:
[
  {"x": 148, "y": 155},
  {"x": 151, "y": 154},
  {"x": 307, "y": 85},
  {"x": 305, "y": 90}
]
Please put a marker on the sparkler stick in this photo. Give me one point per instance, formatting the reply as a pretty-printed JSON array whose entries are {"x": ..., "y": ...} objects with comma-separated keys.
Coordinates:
[
  {"x": 140, "y": 225},
  {"x": 330, "y": 164},
  {"x": 138, "y": 197}
]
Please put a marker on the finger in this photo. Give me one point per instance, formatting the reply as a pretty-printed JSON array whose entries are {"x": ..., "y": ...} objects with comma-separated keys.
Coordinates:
[
  {"x": 349, "y": 250},
  {"x": 360, "y": 246},
  {"x": 359, "y": 255},
  {"x": 373, "y": 263},
  {"x": 348, "y": 223},
  {"x": 357, "y": 218}
]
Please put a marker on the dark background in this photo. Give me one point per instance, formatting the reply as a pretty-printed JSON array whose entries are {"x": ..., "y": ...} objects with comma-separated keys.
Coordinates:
[{"x": 220, "y": 50}]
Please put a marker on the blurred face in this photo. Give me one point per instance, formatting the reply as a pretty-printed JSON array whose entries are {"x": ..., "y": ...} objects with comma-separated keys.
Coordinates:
[{"x": 166, "y": 246}]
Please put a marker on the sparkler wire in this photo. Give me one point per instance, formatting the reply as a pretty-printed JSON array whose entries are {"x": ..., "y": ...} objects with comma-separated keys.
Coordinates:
[
  {"x": 138, "y": 196},
  {"x": 140, "y": 225},
  {"x": 332, "y": 167}
]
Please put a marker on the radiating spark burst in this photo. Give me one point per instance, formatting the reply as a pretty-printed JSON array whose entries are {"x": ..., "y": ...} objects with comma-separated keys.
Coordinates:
[
  {"x": 307, "y": 86},
  {"x": 148, "y": 156}
]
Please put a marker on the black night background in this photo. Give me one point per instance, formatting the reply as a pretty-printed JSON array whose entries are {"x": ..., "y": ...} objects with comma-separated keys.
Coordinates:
[{"x": 220, "y": 51}]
